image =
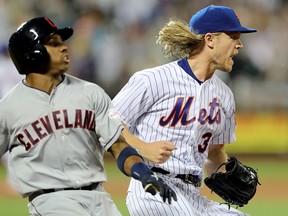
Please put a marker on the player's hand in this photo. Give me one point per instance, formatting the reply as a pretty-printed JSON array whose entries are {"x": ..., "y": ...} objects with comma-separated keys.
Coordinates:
[
  {"x": 152, "y": 183},
  {"x": 157, "y": 152}
]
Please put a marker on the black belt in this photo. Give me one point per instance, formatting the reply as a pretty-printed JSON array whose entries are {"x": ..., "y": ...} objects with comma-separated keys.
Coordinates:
[
  {"x": 187, "y": 178},
  {"x": 44, "y": 191}
]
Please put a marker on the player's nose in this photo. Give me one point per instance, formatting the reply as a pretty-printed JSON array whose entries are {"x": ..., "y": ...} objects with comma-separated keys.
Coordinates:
[{"x": 239, "y": 44}]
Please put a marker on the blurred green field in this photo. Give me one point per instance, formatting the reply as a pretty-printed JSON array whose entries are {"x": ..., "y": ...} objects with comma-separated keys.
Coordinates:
[{"x": 271, "y": 198}]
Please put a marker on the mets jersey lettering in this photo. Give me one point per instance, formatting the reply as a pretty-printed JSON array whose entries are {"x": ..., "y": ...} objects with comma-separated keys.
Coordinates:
[
  {"x": 214, "y": 115},
  {"x": 43, "y": 126},
  {"x": 180, "y": 113}
]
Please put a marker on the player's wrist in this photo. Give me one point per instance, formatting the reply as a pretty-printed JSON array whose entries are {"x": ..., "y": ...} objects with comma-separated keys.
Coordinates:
[
  {"x": 124, "y": 155},
  {"x": 140, "y": 171}
]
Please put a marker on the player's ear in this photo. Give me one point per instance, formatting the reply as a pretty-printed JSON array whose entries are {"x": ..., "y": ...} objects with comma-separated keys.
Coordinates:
[{"x": 209, "y": 40}]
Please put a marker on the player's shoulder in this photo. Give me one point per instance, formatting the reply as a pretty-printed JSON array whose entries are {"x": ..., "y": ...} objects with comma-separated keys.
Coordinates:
[
  {"x": 158, "y": 69},
  {"x": 13, "y": 93},
  {"x": 219, "y": 82},
  {"x": 72, "y": 80},
  {"x": 152, "y": 73},
  {"x": 222, "y": 89},
  {"x": 7, "y": 102},
  {"x": 77, "y": 83}
]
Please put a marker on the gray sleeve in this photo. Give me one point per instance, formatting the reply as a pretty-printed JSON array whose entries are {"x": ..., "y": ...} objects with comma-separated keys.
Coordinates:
[
  {"x": 3, "y": 140},
  {"x": 108, "y": 126}
]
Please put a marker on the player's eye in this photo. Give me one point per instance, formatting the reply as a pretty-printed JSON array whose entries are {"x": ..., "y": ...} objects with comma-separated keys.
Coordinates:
[
  {"x": 54, "y": 43},
  {"x": 234, "y": 36}
]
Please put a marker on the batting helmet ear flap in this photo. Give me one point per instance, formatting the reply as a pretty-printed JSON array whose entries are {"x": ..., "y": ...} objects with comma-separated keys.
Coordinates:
[
  {"x": 37, "y": 60},
  {"x": 32, "y": 56},
  {"x": 38, "y": 54}
]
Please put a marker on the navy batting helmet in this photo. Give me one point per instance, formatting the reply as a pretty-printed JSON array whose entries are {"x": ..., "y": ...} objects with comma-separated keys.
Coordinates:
[{"x": 26, "y": 44}]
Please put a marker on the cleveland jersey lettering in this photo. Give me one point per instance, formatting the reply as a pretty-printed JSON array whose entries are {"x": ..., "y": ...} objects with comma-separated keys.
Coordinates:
[{"x": 44, "y": 126}]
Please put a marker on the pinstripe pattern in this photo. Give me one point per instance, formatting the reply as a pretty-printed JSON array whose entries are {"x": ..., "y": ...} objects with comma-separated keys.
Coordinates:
[
  {"x": 168, "y": 103},
  {"x": 189, "y": 202}
]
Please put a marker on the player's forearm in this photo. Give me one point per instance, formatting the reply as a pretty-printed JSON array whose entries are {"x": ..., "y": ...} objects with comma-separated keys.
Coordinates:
[
  {"x": 132, "y": 140},
  {"x": 138, "y": 144},
  {"x": 216, "y": 156},
  {"x": 156, "y": 152},
  {"x": 127, "y": 160}
]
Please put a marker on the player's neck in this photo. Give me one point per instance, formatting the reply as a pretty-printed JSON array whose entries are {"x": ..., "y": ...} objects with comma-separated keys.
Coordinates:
[
  {"x": 42, "y": 81},
  {"x": 200, "y": 68}
]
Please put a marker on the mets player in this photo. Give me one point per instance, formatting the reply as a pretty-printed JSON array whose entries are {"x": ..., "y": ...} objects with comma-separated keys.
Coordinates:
[
  {"x": 56, "y": 128},
  {"x": 185, "y": 103}
]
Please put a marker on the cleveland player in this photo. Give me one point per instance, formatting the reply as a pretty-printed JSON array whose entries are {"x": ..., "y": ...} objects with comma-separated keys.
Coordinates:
[
  {"x": 56, "y": 128},
  {"x": 186, "y": 103}
]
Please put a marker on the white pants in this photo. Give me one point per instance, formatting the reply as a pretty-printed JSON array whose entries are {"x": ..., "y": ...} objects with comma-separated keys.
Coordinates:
[
  {"x": 189, "y": 202},
  {"x": 74, "y": 203}
]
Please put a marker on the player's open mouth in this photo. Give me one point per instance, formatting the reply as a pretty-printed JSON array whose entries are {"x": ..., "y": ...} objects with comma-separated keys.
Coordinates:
[
  {"x": 66, "y": 59},
  {"x": 233, "y": 56}
]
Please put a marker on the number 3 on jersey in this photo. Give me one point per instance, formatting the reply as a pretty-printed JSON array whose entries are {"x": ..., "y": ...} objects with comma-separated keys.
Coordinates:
[{"x": 202, "y": 147}]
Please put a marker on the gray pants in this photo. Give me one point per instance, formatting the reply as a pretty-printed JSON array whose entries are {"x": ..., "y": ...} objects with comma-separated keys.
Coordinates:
[{"x": 74, "y": 203}]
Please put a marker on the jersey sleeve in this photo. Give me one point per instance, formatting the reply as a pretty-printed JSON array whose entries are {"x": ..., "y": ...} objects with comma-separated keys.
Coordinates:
[
  {"x": 134, "y": 99},
  {"x": 3, "y": 139},
  {"x": 108, "y": 126}
]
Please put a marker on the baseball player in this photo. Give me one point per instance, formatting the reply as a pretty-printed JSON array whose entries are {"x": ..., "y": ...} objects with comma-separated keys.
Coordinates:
[
  {"x": 186, "y": 103},
  {"x": 56, "y": 128}
]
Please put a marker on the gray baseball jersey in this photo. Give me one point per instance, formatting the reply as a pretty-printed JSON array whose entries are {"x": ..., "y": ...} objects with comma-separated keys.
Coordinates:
[
  {"x": 169, "y": 103},
  {"x": 57, "y": 140}
]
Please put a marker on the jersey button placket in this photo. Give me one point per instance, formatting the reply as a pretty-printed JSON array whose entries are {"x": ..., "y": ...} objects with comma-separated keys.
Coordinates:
[{"x": 51, "y": 99}]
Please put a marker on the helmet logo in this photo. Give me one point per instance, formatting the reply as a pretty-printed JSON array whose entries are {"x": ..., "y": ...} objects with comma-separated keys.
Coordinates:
[
  {"x": 35, "y": 33},
  {"x": 50, "y": 22}
]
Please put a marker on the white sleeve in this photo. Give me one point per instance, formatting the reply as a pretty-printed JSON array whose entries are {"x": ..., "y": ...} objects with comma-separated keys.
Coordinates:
[{"x": 133, "y": 100}]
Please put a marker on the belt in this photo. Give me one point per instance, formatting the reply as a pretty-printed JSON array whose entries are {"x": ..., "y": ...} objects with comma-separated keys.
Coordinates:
[
  {"x": 187, "y": 178},
  {"x": 45, "y": 191}
]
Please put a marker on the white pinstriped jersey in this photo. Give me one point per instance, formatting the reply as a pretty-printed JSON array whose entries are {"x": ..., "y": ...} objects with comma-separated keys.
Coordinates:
[{"x": 169, "y": 103}]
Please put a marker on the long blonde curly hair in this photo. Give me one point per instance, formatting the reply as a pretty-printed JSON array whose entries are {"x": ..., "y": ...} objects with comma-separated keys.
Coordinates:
[{"x": 178, "y": 41}]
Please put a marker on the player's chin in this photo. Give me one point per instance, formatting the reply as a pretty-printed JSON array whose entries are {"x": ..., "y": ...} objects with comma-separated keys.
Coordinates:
[
  {"x": 64, "y": 67},
  {"x": 228, "y": 66},
  {"x": 226, "y": 69}
]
